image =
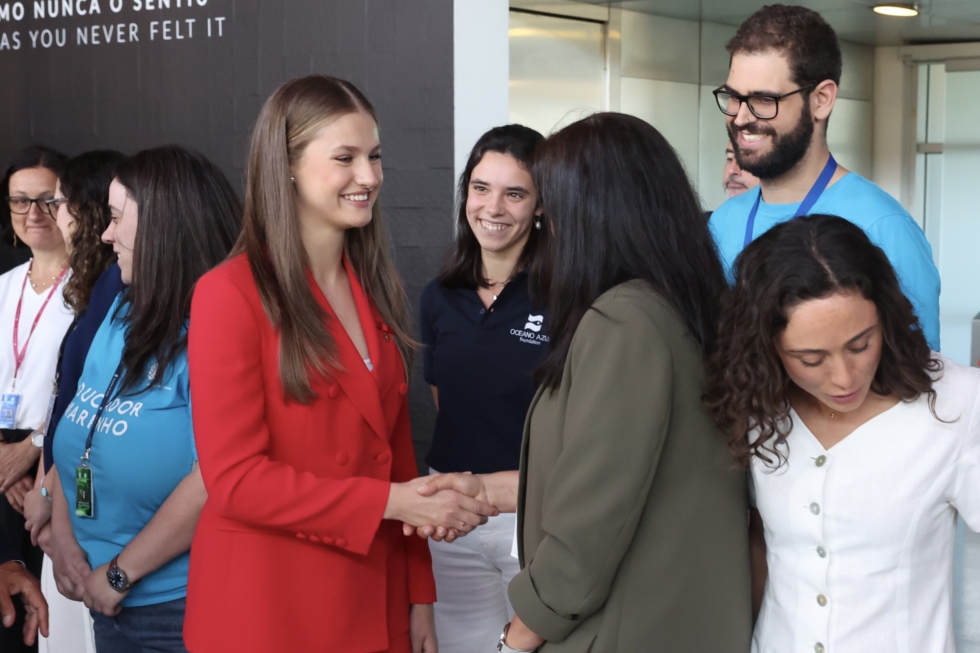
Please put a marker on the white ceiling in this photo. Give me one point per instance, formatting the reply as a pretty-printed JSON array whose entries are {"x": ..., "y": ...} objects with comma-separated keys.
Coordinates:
[{"x": 938, "y": 20}]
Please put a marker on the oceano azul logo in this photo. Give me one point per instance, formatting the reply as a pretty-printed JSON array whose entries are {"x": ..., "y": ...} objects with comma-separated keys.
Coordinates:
[
  {"x": 531, "y": 333},
  {"x": 534, "y": 323}
]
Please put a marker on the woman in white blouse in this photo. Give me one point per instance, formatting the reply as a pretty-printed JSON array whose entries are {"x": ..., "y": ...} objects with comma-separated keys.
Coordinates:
[{"x": 863, "y": 445}]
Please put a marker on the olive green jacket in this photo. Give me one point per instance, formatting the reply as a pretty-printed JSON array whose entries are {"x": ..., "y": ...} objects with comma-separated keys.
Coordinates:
[{"x": 632, "y": 519}]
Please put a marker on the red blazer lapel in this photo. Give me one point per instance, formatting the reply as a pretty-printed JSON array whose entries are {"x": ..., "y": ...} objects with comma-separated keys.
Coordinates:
[
  {"x": 354, "y": 379},
  {"x": 369, "y": 321}
]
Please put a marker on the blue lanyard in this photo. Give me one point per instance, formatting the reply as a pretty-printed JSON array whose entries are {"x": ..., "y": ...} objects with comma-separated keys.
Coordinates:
[
  {"x": 819, "y": 186},
  {"x": 98, "y": 413}
]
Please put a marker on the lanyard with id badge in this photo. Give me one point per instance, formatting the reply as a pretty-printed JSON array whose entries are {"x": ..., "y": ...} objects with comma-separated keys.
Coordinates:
[
  {"x": 10, "y": 401},
  {"x": 84, "y": 482}
]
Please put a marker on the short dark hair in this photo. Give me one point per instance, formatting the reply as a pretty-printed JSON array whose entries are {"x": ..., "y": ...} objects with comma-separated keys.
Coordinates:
[
  {"x": 189, "y": 218},
  {"x": 801, "y": 34},
  {"x": 85, "y": 184},
  {"x": 623, "y": 209},
  {"x": 34, "y": 156},
  {"x": 803, "y": 259},
  {"x": 463, "y": 267}
]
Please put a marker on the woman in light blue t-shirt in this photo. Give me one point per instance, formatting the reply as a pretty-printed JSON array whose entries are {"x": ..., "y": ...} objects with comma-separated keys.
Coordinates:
[{"x": 125, "y": 447}]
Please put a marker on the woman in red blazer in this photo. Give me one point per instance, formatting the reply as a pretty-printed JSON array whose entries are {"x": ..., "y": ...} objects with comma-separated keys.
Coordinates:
[{"x": 299, "y": 351}]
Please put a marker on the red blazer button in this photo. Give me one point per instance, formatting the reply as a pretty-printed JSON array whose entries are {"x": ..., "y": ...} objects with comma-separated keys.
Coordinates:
[
  {"x": 383, "y": 458},
  {"x": 326, "y": 540},
  {"x": 314, "y": 538},
  {"x": 341, "y": 542},
  {"x": 403, "y": 389},
  {"x": 334, "y": 391},
  {"x": 342, "y": 458},
  {"x": 300, "y": 536}
]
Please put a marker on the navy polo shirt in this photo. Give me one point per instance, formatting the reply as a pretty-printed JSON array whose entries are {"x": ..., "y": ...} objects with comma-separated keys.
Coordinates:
[{"x": 482, "y": 361}]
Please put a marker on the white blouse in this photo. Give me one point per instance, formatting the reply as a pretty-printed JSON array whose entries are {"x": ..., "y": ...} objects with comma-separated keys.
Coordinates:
[
  {"x": 35, "y": 382},
  {"x": 860, "y": 537}
]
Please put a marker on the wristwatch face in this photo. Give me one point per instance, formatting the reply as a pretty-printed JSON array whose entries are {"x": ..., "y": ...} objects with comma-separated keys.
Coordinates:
[
  {"x": 117, "y": 579},
  {"x": 37, "y": 440}
]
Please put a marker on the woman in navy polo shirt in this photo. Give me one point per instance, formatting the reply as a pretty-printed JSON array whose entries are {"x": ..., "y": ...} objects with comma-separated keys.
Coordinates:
[{"x": 484, "y": 331}]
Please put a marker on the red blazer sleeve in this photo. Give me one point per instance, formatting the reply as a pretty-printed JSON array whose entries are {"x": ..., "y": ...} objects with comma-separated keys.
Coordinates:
[
  {"x": 228, "y": 392},
  {"x": 421, "y": 583}
]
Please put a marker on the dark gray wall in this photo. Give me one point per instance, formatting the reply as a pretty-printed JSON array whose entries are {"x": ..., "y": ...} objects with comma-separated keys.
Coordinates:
[{"x": 205, "y": 92}]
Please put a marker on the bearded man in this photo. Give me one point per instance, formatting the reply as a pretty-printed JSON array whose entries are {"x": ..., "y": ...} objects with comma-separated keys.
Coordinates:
[{"x": 782, "y": 84}]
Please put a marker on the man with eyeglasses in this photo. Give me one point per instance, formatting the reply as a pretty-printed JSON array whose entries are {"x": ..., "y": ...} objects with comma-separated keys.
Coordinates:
[{"x": 782, "y": 84}]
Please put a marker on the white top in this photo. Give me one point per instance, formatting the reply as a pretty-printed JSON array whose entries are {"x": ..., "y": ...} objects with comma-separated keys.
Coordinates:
[
  {"x": 36, "y": 379},
  {"x": 860, "y": 537}
]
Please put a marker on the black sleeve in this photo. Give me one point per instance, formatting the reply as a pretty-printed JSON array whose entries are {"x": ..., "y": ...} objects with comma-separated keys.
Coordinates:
[{"x": 13, "y": 436}]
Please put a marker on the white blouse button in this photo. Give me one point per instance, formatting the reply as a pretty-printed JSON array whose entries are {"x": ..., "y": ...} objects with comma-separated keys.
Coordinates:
[
  {"x": 821, "y": 460},
  {"x": 819, "y": 648},
  {"x": 821, "y": 600},
  {"x": 815, "y": 508},
  {"x": 822, "y": 552}
]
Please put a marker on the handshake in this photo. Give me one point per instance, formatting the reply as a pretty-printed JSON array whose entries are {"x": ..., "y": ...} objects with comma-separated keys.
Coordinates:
[{"x": 448, "y": 506}]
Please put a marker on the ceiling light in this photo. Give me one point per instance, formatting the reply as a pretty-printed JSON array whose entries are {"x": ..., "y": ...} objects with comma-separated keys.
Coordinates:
[{"x": 904, "y": 11}]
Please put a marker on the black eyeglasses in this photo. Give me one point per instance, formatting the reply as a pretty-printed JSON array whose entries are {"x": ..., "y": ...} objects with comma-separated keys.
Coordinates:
[
  {"x": 54, "y": 203},
  {"x": 22, "y": 205},
  {"x": 763, "y": 107}
]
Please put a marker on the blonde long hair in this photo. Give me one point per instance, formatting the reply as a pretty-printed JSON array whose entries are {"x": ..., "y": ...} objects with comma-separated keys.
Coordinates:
[{"x": 271, "y": 239}]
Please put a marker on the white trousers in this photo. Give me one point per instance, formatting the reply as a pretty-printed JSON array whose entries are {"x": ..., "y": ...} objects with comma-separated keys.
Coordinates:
[
  {"x": 472, "y": 574},
  {"x": 70, "y": 624}
]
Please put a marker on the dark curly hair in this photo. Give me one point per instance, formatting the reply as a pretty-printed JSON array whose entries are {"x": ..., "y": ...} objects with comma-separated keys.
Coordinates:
[
  {"x": 794, "y": 262},
  {"x": 85, "y": 184},
  {"x": 801, "y": 34}
]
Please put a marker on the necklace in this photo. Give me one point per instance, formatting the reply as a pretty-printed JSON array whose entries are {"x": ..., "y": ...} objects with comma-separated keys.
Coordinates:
[
  {"x": 491, "y": 287},
  {"x": 40, "y": 285}
]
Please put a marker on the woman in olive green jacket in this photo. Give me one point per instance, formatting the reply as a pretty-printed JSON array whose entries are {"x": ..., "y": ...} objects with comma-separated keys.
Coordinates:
[{"x": 632, "y": 520}]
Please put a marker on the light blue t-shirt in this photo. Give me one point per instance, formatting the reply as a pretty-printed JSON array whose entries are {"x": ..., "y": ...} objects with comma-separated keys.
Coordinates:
[
  {"x": 143, "y": 447},
  {"x": 856, "y": 199}
]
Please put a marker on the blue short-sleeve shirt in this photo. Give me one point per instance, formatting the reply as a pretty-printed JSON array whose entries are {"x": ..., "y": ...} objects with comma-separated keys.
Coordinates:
[
  {"x": 481, "y": 360},
  {"x": 143, "y": 447},
  {"x": 856, "y": 199}
]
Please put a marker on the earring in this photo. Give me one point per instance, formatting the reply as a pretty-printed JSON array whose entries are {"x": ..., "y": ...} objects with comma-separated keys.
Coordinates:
[
  {"x": 15, "y": 240},
  {"x": 537, "y": 223},
  {"x": 292, "y": 179}
]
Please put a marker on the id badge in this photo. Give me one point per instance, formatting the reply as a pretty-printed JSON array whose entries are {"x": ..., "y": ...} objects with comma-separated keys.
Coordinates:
[
  {"x": 9, "y": 404},
  {"x": 47, "y": 418},
  {"x": 84, "y": 497}
]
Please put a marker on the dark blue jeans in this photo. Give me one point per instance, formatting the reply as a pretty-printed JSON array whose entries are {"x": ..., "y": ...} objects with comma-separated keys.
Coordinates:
[{"x": 146, "y": 629}]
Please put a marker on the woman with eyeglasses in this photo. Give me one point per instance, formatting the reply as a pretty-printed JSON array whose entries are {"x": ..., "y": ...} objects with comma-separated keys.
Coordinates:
[{"x": 33, "y": 321}]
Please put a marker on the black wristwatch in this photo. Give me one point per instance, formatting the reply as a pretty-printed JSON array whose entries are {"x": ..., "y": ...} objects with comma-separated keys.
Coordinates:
[{"x": 118, "y": 580}]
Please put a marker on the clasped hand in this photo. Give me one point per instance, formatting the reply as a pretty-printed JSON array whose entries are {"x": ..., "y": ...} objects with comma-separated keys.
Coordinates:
[
  {"x": 98, "y": 594},
  {"x": 465, "y": 484},
  {"x": 444, "y": 508},
  {"x": 16, "y": 460}
]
